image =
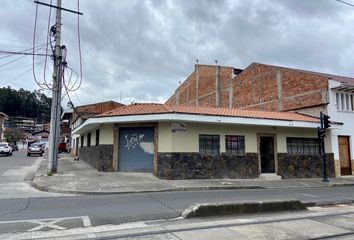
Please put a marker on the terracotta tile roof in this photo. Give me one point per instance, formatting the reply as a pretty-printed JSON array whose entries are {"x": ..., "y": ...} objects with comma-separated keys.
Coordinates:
[{"x": 156, "y": 108}]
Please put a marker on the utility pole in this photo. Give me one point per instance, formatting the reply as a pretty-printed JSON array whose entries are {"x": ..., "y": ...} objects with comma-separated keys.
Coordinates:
[
  {"x": 57, "y": 85},
  {"x": 56, "y": 100}
]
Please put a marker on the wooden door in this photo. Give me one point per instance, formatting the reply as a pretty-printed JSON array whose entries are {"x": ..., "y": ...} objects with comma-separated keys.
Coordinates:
[{"x": 344, "y": 156}]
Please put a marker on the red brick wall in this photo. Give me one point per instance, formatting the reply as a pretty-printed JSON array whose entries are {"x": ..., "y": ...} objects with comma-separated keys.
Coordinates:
[
  {"x": 254, "y": 88},
  {"x": 257, "y": 88},
  {"x": 187, "y": 92},
  {"x": 94, "y": 109}
]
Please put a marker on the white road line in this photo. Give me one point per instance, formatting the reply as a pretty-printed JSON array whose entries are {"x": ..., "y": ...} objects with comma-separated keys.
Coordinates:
[
  {"x": 309, "y": 195},
  {"x": 42, "y": 225},
  {"x": 305, "y": 184},
  {"x": 44, "y": 219},
  {"x": 86, "y": 221}
]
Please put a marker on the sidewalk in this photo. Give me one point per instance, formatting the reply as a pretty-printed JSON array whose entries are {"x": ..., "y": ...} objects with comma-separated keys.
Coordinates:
[{"x": 79, "y": 178}]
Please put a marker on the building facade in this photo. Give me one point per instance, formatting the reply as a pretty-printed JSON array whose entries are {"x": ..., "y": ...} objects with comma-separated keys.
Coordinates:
[
  {"x": 274, "y": 88},
  {"x": 203, "y": 142}
]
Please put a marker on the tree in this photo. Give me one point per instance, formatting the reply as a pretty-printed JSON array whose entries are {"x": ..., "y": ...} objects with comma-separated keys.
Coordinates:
[
  {"x": 23, "y": 103},
  {"x": 13, "y": 135}
]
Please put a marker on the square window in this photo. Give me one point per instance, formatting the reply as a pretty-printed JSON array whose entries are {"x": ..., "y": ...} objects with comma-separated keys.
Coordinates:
[
  {"x": 209, "y": 144},
  {"x": 235, "y": 145}
]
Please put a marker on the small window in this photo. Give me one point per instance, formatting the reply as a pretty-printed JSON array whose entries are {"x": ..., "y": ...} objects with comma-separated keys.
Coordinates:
[
  {"x": 342, "y": 101},
  {"x": 209, "y": 144},
  {"x": 88, "y": 139},
  {"x": 97, "y": 137},
  {"x": 352, "y": 102},
  {"x": 82, "y": 141},
  {"x": 302, "y": 146},
  {"x": 235, "y": 145},
  {"x": 347, "y": 101}
]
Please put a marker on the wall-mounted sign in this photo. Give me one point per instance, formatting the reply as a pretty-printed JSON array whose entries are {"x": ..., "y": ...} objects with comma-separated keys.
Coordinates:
[{"x": 178, "y": 127}]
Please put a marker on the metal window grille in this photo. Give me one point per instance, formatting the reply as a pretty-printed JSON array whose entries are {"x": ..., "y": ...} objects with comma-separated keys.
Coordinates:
[
  {"x": 235, "y": 145},
  {"x": 89, "y": 139},
  {"x": 97, "y": 137},
  {"x": 209, "y": 144},
  {"x": 302, "y": 146}
]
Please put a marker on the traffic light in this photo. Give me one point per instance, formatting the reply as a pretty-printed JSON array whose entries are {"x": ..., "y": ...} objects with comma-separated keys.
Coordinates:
[{"x": 326, "y": 122}]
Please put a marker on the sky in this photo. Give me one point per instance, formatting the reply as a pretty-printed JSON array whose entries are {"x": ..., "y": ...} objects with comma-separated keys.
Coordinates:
[{"x": 139, "y": 50}]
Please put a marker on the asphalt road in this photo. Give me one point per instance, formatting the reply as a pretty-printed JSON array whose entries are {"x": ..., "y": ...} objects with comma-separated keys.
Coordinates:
[{"x": 25, "y": 205}]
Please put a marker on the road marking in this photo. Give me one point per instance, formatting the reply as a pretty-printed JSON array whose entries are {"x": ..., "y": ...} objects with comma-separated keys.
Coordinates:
[
  {"x": 50, "y": 224},
  {"x": 305, "y": 184},
  {"x": 308, "y": 195}
]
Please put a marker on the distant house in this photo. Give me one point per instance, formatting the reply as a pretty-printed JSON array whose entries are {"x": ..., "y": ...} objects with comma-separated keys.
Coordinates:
[
  {"x": 3, "y": 117},
  {"x": 41, "y": 135},
  {"x": 185, "y": 142},
  {"x": 274, "y": 88},
  {"x": 72, "y": 118}
]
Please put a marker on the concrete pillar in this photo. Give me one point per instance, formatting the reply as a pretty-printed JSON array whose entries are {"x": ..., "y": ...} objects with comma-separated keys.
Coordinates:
[
  {"x": 177, "y": 97},
  {"x": 217, "y": 86},
  {"x": 279, "y": 87},
  {"x": 197, "y": 84}
]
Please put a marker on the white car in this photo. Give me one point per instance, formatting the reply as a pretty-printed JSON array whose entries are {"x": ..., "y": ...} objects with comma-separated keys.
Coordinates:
[{"x": 5, "y": 149}]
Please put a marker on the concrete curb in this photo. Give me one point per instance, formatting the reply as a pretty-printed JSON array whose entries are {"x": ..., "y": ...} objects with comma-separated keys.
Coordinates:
[
  {"x": 177, "y": 189},
  {"x": 233, "y": 208}
]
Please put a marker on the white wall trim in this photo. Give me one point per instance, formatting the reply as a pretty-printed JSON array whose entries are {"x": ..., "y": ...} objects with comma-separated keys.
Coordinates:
[{"x": 94, "y": 122}]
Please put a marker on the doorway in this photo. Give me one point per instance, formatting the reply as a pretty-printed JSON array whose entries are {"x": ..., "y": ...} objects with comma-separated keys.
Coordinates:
[
  {"x": 344, "y": 155},
  {"x": 266, "y": 151}
]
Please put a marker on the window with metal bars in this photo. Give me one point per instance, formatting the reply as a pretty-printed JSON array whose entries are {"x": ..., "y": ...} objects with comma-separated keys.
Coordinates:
[
  {"x": 82, "y": 141},
  {"x": 235, "y": 145},
  {"x": 302, "y": 146},
  {"x": 97, "y": 137},
  {"x": 209, "y": 144},
  {"x": 88, "y": 139}
]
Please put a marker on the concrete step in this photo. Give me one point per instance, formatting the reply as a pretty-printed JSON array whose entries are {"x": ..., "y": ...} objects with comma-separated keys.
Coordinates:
[{"x": 269, "y": 176}]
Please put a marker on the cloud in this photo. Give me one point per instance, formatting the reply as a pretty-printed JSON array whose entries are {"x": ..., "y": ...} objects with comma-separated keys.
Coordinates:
[{"x": 140, "y": 50}]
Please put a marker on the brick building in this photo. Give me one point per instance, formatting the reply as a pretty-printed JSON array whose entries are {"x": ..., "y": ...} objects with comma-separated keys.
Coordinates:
[
  {"x": 275, "y": 88},
  {"x": 75, "y": 117}
]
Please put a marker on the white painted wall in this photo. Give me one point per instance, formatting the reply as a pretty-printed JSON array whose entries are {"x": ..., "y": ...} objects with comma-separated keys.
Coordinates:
[
  {"x": 188, "y": 140},
  {"x": 338, "y": 115}
]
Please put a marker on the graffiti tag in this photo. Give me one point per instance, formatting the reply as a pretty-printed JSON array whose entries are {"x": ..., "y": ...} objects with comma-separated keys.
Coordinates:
[{"x": 133, "y": 140}]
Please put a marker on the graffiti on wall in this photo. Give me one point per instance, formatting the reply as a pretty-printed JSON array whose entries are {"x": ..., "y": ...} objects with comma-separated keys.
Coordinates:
[{"x": 133, "y": 140}]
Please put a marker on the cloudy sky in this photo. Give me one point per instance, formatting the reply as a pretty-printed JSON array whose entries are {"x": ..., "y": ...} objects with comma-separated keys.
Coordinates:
[{"x": 140, "y": 50}]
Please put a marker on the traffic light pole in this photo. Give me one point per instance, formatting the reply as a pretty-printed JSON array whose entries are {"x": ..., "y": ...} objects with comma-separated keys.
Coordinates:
[{"x": 324, "y": 120}]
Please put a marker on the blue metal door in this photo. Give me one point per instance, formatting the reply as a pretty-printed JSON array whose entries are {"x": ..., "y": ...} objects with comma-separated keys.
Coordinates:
[{"x": 136, "y": 149}]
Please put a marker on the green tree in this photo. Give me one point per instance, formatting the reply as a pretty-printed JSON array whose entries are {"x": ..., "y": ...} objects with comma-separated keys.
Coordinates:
[{"x": 13, "y": 135}]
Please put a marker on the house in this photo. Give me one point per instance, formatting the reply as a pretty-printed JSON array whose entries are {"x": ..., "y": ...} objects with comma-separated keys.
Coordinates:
[
  {"x": 3, "y": 117},
  {"x": 74, "y": 117},
  {"x": 275, "y": 88},
  {"x": 188, "y": 142}
]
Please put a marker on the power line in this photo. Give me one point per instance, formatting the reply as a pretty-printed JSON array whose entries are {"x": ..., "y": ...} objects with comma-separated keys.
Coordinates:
[
  {"x": 24, "y": 53},
  {"x": 349, "y": 4}
]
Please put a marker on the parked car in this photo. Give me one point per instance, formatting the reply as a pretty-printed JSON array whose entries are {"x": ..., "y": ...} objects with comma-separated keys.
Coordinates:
[
  {"x": 13, "y": 146},
  {"x": 5, "y": 148},
  {"x": 35, "y": 148}
]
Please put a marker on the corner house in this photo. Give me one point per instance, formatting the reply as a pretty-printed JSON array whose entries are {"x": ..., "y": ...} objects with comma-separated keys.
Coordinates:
[{"x": 203, "y": 142}]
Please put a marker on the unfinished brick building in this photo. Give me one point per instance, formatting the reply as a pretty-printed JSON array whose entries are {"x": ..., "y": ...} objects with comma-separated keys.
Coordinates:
[
  {"x": 275, "y": 88},
  {"x": 257, "y": 87}
]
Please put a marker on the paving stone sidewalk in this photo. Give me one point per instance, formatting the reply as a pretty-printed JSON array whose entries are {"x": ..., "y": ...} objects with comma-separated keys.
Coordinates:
[{"x": 78, "y": 177}]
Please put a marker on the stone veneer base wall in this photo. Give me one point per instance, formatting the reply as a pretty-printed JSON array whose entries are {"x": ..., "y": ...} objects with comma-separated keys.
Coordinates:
[
  {"x": 99, "y": 157},
  {"x": 196, "y": 166},
  {"x": 304, "y": 166}
]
